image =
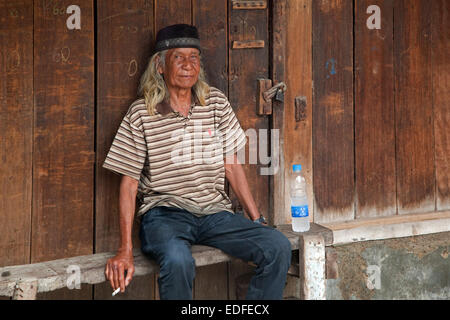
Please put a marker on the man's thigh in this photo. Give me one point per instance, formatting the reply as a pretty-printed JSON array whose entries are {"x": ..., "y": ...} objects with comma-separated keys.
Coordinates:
[
  {"x": 163, "y": 227},
  {"x": 242, "y": 238}
]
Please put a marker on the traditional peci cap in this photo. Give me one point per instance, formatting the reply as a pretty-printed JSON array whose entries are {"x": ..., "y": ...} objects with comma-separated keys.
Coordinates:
[{"x": 177, "y": 36}]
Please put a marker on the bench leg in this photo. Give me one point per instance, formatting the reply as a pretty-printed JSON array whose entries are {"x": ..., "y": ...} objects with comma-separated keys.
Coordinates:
[
  {"x": 25, "y": 290},
  {"x": 312, "y": 267}
]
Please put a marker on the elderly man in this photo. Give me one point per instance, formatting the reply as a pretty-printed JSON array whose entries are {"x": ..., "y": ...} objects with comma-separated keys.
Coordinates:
[{"x": 174, "y": 148}]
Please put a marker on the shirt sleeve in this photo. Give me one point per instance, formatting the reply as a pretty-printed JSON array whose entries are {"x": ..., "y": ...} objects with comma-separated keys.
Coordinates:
[
  {"x": 233, "y": 137},
  {"x": 128, "y": 150}
]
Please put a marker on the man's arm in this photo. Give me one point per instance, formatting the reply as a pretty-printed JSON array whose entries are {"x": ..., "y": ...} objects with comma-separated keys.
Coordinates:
[
  {"x": 123, "y": 261},
  {"x": 235, "y": 175}
]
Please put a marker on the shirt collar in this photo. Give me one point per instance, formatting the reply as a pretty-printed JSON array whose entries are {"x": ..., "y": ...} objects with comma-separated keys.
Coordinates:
[{"x": 164, "y": 107}]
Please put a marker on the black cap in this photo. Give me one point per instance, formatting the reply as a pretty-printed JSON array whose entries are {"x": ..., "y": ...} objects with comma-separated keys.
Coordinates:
[{"x": 177, "y": 36}]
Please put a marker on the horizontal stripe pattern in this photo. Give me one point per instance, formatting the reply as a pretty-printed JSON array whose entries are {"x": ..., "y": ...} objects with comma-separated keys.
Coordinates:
[{"x": 178, "y": 160}]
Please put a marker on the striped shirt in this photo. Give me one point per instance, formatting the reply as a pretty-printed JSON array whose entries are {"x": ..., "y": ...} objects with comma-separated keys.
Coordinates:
[{"x": 178, "y": 160}]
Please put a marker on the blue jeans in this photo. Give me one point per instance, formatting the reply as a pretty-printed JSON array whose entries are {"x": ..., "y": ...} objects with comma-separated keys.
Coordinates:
[{"x": 167, "y": 234}]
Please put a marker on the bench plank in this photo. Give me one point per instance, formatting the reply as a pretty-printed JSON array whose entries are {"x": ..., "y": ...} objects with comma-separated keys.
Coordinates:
[
  {"x": 53, "y": 275},
  {"x": 315, "y": 229}
]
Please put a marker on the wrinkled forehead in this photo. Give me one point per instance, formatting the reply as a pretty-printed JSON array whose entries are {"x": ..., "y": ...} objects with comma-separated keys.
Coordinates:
[{"x": 183, "y": 51}]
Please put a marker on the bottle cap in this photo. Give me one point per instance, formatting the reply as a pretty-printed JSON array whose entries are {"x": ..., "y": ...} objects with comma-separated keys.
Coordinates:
[{"x": 297, "y": 167}]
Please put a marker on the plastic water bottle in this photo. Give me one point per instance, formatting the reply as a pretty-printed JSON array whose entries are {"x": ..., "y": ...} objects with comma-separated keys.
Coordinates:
[{"x": 299, "y": 200}]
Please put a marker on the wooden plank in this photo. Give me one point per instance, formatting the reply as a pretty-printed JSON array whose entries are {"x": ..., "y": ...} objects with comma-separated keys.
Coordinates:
[
  {"x": 263, "y": 107},
  {"x": 333, "y": 139},
  {"x": 413, "y": 107},
  {"x": 277, "y": 187},
  {"x": 312, "y": 267},
  {"x": 298, "y": 134},
  {"x": 16, "y": 130},
  {"x": 62, "y": 220},
  {"x": 440, "y": 42},
  {"x": 25, "y": 291},
  {"x": 211, "y": 282},
  {"x": 248, "y": 44},
  {"x": 404, "y": 225},
  {"x": 125, "y": 39},
  {"x": 374, "y": 112},
  {"x": 212, "y": 24},
  {"x": 245, "y": 67},
  {"x": 285, "y": 23},
  {"x": 378, "y": 221},
  {"x": 315, "y": 229},
  {"x": 53, "y": 275},
  {"x": 168, "y": 12},
  {"x": 244, "y": 5}
]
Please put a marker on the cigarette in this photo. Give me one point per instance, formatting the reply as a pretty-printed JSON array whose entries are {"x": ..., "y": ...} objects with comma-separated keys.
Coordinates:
[{"x": 116, "y": 292}]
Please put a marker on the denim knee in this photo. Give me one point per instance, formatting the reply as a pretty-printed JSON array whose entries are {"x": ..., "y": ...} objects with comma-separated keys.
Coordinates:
[
  {"x": 279, "y": 249},
  {"x": 177, "y": 261}
]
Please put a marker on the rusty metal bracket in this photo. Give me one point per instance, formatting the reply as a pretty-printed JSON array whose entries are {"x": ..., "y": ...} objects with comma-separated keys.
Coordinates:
[
  {"x": 248, "y": 44},
  {"x": 300, "y": 108},
  {"x": 242, "y": 4}
]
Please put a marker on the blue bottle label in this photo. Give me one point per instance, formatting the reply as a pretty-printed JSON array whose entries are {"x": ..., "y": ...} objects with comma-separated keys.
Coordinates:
[{"x": 299, "y": 211}]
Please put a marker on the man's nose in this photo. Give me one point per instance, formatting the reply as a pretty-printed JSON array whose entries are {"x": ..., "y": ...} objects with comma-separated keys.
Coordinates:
[{"x": 187, "y": 64}]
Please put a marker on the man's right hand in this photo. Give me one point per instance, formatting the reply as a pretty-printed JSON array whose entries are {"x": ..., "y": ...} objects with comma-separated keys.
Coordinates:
[{"x": 116, "y": 267}]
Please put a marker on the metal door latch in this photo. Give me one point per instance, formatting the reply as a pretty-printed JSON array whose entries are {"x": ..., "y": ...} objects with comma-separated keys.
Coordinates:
[
  {"x": 277, "y": 91},
  {"x": 266, "y": 92}
]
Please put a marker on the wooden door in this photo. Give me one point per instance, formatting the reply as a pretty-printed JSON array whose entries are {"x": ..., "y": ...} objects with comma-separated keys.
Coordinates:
[
  {"x": 125, "y": 38},
  {"x": 379, "y": 108}
]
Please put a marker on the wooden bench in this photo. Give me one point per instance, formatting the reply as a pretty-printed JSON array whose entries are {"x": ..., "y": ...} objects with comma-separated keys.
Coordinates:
[{"x": 23, "y": 282}]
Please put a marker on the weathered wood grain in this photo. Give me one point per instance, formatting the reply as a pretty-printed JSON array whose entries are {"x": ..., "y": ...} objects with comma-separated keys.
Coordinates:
[
  {"x": 246, "y": 66},
  {"x": 404, "y": 225},
  {"x": 248, "y": 44},
  {"x": 25, "y": 290},
  {"x": 125, "y": 38},
  {"x": 374, "y": 113},
  {"x": 53, "y": 275},
  {"x": 169, "y": 12},
  {"x": 244, "y": 5},
  {"x": 312, "y": 267},
  {"x": 333, "y": 138},
  {"x": 277, "y": 181},
  {"x": 413, "y": 107},
  {"x": 211, "y": 22},
  {"x": 440, "y": 42},
  {"x": 63, "y": 158},
  {"x": 16, "y": 130},
  {"x": 298, "y": 77}
]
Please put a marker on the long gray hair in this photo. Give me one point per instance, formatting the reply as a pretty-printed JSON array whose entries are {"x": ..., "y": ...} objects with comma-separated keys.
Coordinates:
[{"x": 153, "y": 87}]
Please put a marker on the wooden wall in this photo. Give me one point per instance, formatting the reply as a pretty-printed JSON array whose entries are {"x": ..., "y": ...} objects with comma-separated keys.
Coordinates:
[
  {"x": 380, "y": 146},
  {"x": 375, "y": 141}
]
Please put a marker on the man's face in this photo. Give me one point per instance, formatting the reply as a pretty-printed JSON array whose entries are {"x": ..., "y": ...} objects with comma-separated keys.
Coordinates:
[{"x": 182, "y": 67}]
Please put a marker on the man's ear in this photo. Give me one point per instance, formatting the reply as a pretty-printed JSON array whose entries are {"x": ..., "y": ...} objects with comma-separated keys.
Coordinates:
[{"x": 159, "y": 66}]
